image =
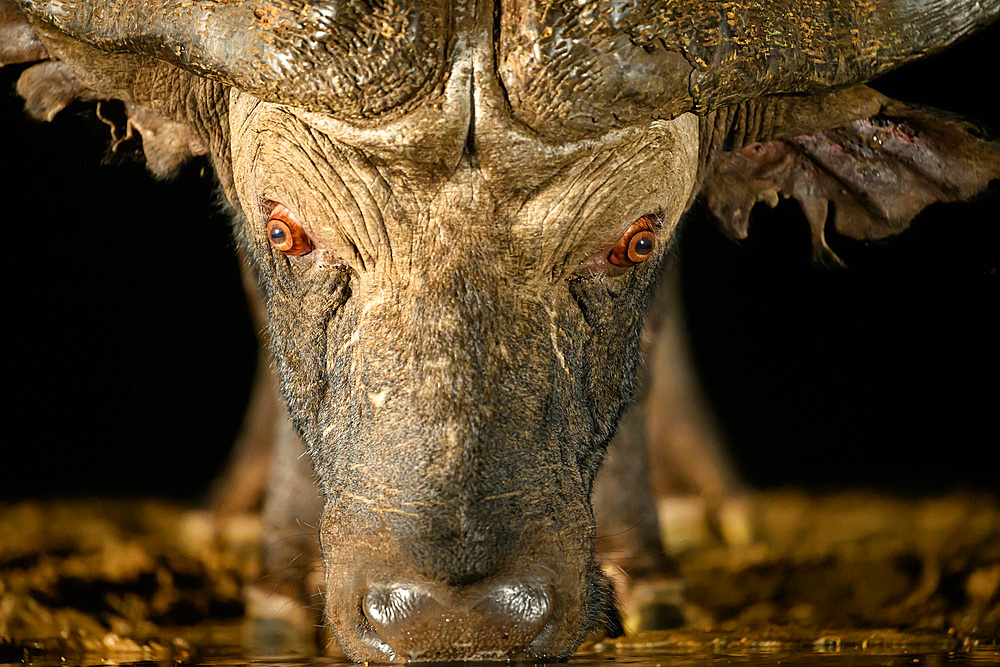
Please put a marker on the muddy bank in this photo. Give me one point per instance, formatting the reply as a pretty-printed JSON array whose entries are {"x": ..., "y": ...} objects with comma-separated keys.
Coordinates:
[
  {"x": 125, "y": 581},
  {"x": 121, "y": 580}
]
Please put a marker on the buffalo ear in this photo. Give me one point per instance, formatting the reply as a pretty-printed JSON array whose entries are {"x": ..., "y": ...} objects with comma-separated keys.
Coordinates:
[
  {"x": 878, "y": 172},
  {"x": 156, "y": 98},
  {"x": 18, "y": 43}
]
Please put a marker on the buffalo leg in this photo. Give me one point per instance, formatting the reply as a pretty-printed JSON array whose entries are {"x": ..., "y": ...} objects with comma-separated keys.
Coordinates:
[
  {"x": 241, "y": 486},
  {"x": 666, "y": 484},
  {"x": 699, "y": 495},
  {"x": 285, "y": 608},
  {"x": 268, "y": 472},
  {"x": 628, "y": 545}
]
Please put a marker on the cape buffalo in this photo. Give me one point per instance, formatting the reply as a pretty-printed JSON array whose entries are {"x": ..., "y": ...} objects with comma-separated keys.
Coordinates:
[{"x": 456, "y": 213}]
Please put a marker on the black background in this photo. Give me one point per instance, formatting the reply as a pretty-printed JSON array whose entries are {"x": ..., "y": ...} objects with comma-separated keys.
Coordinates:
[{"x": 129, "y": 350}]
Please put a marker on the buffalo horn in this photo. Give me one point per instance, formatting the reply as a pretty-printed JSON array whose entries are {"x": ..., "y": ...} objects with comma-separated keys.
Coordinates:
[
  {"x": 742, "y": 50},
  {"x": 358, "y": 58},
  {"x": 363, "y": 57}
]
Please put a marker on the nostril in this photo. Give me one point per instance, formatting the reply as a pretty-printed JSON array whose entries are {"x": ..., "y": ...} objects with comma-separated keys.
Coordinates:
[
  {"x": 388, "y": 607},
  {"x": 524, "y": 605},
  {"x": 497, "y": 621}
]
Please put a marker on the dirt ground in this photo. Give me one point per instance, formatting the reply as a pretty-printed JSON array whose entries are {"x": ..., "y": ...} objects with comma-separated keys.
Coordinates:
[{"x": 124, "y": 581}]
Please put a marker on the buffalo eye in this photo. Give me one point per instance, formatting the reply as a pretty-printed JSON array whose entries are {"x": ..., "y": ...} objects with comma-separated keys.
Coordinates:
[
  {"x": 637, "y": 244},
  {"x": 286, "y": 233}
]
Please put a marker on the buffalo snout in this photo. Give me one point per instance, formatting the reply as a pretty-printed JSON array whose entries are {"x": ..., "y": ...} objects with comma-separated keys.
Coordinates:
[
  {"x": 498, "y": 618},
  {"x": 386, "y": 609},
  {"x": 470, "y": 586}
]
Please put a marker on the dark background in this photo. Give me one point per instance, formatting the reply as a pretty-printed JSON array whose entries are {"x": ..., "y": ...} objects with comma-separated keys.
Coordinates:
[{"x": 129, "y": 350}]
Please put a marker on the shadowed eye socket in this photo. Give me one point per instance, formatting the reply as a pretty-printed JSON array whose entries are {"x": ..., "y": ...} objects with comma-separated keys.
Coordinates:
[
  {"x": 637, "y": 244},
  {"x": 286, "y": 233}
]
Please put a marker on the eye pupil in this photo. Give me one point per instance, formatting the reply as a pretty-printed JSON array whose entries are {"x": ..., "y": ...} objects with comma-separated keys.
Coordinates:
[
  {"x": 637, "y": 244},
  {"x": 640, "y": 246},
  {"x": 281, "y": 236},
  {"x": 286, "y": 233},
  {"x": 643, "y": 245}
]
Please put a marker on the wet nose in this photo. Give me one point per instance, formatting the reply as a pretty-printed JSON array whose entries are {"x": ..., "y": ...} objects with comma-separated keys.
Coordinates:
[{"x": 497, "y": 622}]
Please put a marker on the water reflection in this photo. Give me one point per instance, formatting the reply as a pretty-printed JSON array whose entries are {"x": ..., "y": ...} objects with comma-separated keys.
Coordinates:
[
  {"x": 761, "y": 656},
  {"x": 856, "y": 658}
]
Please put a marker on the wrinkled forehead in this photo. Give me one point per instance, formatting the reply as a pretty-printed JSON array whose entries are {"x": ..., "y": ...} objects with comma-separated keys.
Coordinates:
[
  {"x": 470, "y": 125},
  {"x": 427, "y": 163}
]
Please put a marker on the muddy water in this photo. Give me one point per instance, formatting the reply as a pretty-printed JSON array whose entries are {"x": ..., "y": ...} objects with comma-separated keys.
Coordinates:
[
  {"x": 222, "y": 646},
  {"x": 794, "y": 659},
  {"x": 842, "y": 579},
  {"x": 980, "y": 656}
]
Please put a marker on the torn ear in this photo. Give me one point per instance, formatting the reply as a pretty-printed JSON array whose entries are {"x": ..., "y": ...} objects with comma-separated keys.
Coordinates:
[
  {"x": 165, "y": 143},
  {"x": 62, "y": 70},
  {"x": 870, "y": 177}
]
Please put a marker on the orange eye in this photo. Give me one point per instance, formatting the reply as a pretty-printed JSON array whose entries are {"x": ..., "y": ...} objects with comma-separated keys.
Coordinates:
[
  {"x": 286, "y": 233},
  {"x": 637, "y": 244}
]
